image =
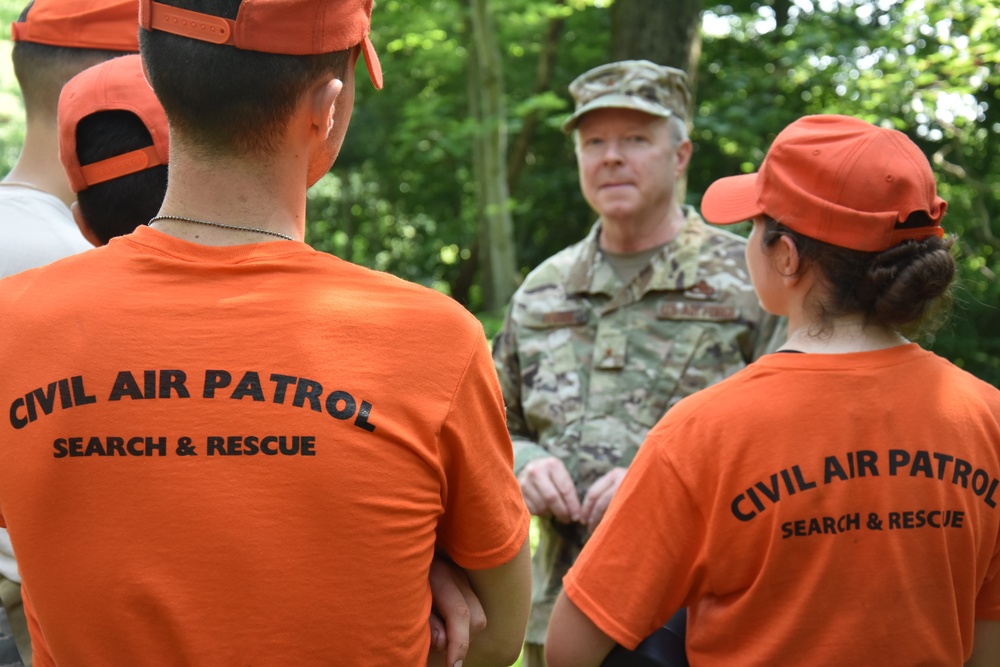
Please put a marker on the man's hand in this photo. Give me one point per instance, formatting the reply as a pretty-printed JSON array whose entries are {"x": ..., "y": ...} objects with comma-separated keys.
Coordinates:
[
  {"x": 457, "y": 616},
  {"x": 599, "y": 496},
  {"x": 548, "y": 490}
]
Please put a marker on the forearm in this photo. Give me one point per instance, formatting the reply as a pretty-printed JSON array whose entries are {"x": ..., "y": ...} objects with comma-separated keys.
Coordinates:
[
  {"x": 573, "y": 639},
  {"x": 985, "y": 645},
  {"x": 505, "y": 593}
]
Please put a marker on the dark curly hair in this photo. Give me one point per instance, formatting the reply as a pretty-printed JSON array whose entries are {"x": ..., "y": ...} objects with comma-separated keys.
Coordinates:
[{"x": 906, "y": 287}]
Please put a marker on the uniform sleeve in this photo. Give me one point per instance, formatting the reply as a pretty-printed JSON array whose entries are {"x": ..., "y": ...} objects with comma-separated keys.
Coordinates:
[
  {"x": 508, "y": 369},
  {"x": 647, "y": 556},
  {"x": 485, "y": 521}
]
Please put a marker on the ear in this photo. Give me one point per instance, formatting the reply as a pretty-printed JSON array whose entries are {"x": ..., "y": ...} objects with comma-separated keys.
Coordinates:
[
  {"x": 684, "y": 150},
  {"x": 84, "y": 226},
  {"x": 785, "y": 258},
  {"x": 323, "y": 104}
]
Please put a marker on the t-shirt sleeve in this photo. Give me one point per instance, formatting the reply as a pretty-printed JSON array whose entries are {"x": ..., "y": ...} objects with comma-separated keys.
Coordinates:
[
  {"x": 646, "y": 556},
  {"x": 988, "y": 598},
  {"x": 485, "y": 521}
]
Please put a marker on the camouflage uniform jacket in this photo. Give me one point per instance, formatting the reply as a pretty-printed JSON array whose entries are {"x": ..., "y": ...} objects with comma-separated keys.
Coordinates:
[{"x": 589, "y": 364}]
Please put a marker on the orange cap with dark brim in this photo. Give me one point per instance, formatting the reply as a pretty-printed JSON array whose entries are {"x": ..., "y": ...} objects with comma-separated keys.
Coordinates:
[{"x": 289, "y": 27}]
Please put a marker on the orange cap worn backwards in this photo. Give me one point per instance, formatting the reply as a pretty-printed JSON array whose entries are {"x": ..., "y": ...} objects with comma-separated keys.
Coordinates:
[
  {"x": 117, "y": 84},
  {"x": 836, "y": 179},
  {"x": 289, "y": 27},
  {"x": 109, "y": 25}
]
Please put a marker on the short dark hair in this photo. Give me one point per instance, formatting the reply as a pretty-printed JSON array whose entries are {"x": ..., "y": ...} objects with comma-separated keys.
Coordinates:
[
  {"x": 42, "y": 70},
  {"x": 227, "y": 100},
  {"x": 906, "y": 287},
  {"x": 118, "y": 206}
]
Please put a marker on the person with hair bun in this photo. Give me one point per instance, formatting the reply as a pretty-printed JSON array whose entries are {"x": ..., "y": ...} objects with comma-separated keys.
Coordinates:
[{"x": 836, "y": 502}]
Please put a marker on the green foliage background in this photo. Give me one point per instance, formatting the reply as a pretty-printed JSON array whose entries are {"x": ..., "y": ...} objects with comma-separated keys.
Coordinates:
[{"x": 401, "y": 196}]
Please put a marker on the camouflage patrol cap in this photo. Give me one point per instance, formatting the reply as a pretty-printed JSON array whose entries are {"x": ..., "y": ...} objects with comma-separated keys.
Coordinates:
[{"x": 630, "y": 84}]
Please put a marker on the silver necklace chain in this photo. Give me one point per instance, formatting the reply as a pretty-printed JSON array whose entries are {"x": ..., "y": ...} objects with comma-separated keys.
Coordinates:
[{"x": 222, "y": 225}]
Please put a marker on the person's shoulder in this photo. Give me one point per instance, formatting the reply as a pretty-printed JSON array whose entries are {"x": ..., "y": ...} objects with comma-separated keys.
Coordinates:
[
  {"x": 714, "y": 237},
  {"x": 707, "y": 414},
  {"x": 420, "y": 306},
  {"x": 962, "y": 385},
  {"x": 28, "y": 205},
  {"x": 53, "y": 271},
  {"x": 721, "y": 254},
  {"x": 555, "y": 268},
  {"x": 41, "y": 291},
  {"x": 728, "y": 394},
  {"x": 547, "y": 281}
]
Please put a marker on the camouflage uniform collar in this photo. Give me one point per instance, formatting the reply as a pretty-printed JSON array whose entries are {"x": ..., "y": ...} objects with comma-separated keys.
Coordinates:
[{"x": 674, "y": 267}]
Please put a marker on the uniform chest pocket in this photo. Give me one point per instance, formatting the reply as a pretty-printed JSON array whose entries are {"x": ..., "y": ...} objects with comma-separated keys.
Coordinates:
[
  {"x": 684, "y": 341},
  {"x": 550, "y": 357}
]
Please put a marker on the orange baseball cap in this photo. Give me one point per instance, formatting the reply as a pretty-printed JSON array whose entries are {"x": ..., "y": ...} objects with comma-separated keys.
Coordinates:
[
  {"x": 111, "y": 25},
  {"x": 117, "y": 84},
  {"x": 836, "y": 179},
  {"x": 289, "y": 27}
]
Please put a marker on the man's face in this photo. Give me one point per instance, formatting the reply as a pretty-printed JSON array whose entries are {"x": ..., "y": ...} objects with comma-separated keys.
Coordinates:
[{"x": 628, "y": 163}]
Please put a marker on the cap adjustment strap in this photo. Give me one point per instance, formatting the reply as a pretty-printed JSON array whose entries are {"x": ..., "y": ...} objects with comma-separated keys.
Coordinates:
[
  {"x": 186, "y": 23},
  {"x": 120, "y": 165}
]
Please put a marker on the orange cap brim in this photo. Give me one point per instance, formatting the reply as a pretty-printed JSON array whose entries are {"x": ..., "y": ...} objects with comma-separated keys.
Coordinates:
[
  {"x": 372, "y": 62},
  {"x": 732, "y": 199}
]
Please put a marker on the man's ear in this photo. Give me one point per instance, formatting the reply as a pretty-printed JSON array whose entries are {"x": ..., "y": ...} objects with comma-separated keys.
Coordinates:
[
  {"x": 84, "y": 226},
  {"x": 323, "y": 104},
  {"x": 684, "y": 150}
]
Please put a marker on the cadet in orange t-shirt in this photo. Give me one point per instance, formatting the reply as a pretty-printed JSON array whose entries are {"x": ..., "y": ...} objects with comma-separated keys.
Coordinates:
[
  {"x": 222, "y": 447},
  {"x": 836, "y": 502}
]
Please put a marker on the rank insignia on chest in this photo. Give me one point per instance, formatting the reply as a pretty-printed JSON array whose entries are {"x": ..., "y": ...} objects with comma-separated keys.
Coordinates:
[
  {"x": 700, "y": 291},
  {"x": 565, "y": 318},
  {"x": 708, "y": 312}
]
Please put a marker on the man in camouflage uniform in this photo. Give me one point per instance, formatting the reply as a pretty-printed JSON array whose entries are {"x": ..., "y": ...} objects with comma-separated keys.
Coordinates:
[{"x": 606, "y": 335}]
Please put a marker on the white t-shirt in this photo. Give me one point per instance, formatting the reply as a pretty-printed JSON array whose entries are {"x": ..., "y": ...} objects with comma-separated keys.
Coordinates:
[{"x": 35, "y": 228}]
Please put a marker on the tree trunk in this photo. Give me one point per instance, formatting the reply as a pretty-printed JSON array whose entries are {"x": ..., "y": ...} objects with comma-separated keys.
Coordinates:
[
  {"x": 658, "y": 30},
  {"x": 496, "y": 235},
  {"x": 667, "y": 32}
]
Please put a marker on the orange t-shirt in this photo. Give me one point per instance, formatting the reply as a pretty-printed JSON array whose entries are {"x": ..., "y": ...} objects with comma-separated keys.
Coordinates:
[
  {"x": 810, "y": 510},
  {"x": 243, "y": 455}
]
